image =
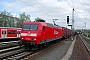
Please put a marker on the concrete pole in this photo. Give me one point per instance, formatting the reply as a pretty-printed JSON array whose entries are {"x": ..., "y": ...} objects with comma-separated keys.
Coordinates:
[{"x": 73, "y": 24}]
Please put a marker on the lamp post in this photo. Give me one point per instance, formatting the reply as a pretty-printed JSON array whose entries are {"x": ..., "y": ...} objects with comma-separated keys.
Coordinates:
[{"x": 85, "y": 31}]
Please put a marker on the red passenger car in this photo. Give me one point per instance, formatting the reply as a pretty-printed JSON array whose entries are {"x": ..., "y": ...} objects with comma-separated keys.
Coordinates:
[
  {"x": 8, "y": 32},
  {"x": 35, "y": 33}
]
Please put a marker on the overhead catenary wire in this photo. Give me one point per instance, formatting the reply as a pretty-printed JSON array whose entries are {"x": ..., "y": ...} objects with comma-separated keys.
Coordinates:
[
  {"x": 46, "y": 8},
  {"x": 49, "y": 15},
  {"x": 78, "y": 15},
  {"x": 73, "y": 4},
  {"x": 36, "y": 8},
  {"x": 43, "y": 6},
  {"x": 84, "y": 19}
]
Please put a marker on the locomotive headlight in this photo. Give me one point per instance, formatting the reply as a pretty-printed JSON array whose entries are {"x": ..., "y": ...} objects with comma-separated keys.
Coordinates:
[
  {"x": 33, "y": 38},
  {"x": 22, "y": 38}
]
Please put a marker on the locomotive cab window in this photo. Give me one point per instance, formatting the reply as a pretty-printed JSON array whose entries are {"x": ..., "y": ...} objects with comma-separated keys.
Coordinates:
[
  {"x": 33, "y": 27},
  {"x": 30, "y": 27},
  {"x": 26, "y": 27}
]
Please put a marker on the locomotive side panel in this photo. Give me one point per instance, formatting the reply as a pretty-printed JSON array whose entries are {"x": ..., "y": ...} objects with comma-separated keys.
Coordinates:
[{"x": 50, "y": 34}]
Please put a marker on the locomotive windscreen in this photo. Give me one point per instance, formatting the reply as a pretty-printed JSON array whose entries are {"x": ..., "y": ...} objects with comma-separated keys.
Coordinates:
[{"x": 30, "y": 27}]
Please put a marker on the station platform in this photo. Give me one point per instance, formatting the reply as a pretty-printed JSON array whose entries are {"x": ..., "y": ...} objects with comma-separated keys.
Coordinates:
[{"x": 63, "y": 52}]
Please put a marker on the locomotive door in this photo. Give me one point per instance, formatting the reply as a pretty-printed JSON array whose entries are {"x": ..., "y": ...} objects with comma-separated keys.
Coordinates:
[{"x": 3, "y": 33}]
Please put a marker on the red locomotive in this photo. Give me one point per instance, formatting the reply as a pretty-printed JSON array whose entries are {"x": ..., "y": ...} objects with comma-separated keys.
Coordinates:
[
  {"x": 38, "y": 33},
  {"x": 8, "y": 32}
]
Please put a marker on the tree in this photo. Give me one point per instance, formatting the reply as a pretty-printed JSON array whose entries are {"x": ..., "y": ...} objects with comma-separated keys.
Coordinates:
[
  {"x": 7, "y": 20},
  {"x": 4, "y": 18},
  {"x": 23, "y": 18}
]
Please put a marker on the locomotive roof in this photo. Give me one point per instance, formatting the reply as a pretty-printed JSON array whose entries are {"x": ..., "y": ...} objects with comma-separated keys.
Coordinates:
[
  {"x": 50, "y": 24},
  {"x": 43, "y": 23}
]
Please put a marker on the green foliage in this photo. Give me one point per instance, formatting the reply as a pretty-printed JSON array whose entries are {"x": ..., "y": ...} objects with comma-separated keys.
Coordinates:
[
  {"x": 23, "y": 18},
  {"x": 7, "y": 20},
  {"x": 87, "y": 33},
  {"x": 84, "y": 34}
]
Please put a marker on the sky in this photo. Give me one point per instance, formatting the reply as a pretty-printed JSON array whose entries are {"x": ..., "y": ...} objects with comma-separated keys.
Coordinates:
[{"x": 51, "y": 9}]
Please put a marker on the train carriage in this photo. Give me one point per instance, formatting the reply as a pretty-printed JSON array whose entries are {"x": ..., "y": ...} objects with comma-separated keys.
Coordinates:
[
  {"x": 8, "y": 32},
  {"x": 66, "y": 32}
]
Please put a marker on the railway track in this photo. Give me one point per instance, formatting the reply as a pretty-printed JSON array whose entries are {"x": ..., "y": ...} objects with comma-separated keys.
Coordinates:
[
  {"x": 20, "y": 53},
  {"x": 86, "y": 38},
  {"x": 5, "y": 53},
  {"x": 15, "y": 53},
  {"x": 86, "y": 42},
  {"x": 4, "y": 45}
]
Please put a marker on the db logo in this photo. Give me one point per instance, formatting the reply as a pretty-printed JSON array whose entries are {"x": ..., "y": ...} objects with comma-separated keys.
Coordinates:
[{"x": 55, "y": 32}]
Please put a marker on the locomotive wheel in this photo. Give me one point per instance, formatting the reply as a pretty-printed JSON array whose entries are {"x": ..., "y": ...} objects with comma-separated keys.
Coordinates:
[
  {"x": 40, "y": 46},
  {"x": 28, "y": 47},
  {"x": 20, "y": 43},
  {"x": 57, "y": 40}
]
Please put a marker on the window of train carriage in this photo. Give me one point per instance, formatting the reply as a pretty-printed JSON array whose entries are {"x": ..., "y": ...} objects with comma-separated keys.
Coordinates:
[
  {"x": 14, "y": 32},
  {"x": 30, "y": 27},
  {"x": 9, "y": 32},
  {"x": 3, "y": 31}
]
